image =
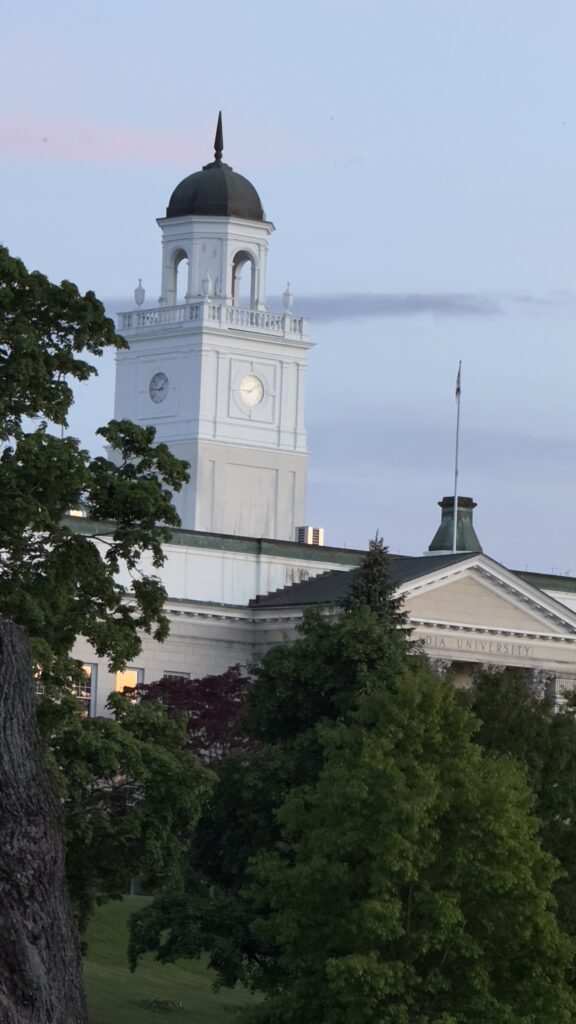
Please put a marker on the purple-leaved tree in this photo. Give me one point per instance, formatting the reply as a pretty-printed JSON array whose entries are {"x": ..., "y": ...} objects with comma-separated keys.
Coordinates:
[{"x": 212, "y": 706}]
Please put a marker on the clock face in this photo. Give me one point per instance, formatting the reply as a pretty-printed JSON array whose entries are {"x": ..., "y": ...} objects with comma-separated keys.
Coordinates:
[
  {"x": 158, "y": 387},
  {"x": 251, "y": 390}
]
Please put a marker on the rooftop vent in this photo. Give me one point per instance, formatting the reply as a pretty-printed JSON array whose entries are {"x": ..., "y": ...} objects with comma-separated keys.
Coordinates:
[
  {"x": 466, "y": 539},
  {"x": 310, "y": 535}
]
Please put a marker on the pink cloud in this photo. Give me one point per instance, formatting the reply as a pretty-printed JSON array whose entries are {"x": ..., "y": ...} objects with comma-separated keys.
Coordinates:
[{"x": 30, "y": 137}]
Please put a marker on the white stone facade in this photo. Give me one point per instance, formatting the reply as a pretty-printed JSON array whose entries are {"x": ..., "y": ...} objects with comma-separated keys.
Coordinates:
[
  {"x": 223, "y": 386},
  {"x": 210, "y": 580},
  {"x": 218, "y": 251},
  {"x": 474, "y": 612}
]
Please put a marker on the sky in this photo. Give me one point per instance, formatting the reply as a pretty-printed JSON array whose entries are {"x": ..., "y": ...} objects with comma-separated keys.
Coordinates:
[{"x": 418, "y": 160}]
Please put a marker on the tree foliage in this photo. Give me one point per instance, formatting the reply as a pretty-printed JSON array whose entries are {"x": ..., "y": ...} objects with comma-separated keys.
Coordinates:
[
  {"x": 211, "y": 706},
  {"x": 55, "y": 580},
  {"x": 368, "y": 862},
  {"x": 130, "y": 793},
  {"x": 412, "y": 886},
  {"x": 374, "y": 588},
  {"x": 521, "y": 723},
  {"x": 130, "y": 788}
]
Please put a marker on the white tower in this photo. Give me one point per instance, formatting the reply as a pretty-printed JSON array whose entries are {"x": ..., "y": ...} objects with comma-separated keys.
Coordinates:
[{"x": 222, "y": 381}]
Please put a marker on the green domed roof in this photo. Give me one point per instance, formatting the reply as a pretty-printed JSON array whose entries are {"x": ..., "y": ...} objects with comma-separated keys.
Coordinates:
[
  {"x": 466, "y": 539},
  {"x": 216, "y": 191}
]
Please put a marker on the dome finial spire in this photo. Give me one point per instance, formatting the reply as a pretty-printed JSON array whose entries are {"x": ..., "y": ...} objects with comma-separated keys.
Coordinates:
[{"x": 218, "y": 140}]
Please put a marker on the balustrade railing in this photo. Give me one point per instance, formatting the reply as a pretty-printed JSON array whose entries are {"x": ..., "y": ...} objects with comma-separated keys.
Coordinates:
[{"x": 226, "y": 316}]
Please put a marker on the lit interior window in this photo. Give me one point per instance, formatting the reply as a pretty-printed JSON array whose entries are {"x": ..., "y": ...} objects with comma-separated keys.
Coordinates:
[
  {"x": 85, "y": 687},
  {"x": 129, "y": 677}
]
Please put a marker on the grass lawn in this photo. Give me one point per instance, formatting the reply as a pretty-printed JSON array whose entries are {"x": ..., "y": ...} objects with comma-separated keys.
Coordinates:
[{"x": 115, "y": 996}]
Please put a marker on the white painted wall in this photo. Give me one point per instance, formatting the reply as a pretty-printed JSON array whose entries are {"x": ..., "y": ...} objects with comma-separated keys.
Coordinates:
[
  {"x": 227, "y": 576},
  {"x": 210, "y": 581},
  {"x": 248, "y": 463},
  {"x": 210, "y": 244}
]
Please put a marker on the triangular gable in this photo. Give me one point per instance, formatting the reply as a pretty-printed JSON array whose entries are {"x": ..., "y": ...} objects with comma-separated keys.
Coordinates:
[{"x": 482, "y": 594}]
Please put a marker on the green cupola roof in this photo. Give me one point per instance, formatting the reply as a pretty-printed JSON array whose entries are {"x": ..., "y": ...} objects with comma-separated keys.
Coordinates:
[{"x": 466, "y": 539}]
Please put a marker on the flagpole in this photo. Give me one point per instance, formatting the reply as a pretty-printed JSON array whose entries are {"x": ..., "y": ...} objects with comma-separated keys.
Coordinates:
[{"x": 458, "y": 379}]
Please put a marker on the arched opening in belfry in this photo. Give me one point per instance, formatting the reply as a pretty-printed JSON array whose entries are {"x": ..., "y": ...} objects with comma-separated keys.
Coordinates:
[
  {"x": 244, "y": 280},
  {"x": 180, "y": 276}
]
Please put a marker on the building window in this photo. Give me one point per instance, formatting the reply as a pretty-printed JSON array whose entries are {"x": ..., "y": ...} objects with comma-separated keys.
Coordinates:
[
  {"x": 129, "y": 679},
  {"x": 173, "y": 674},
  {"x": 85, "y": 689},
  {"x": 562, "y": 688}
]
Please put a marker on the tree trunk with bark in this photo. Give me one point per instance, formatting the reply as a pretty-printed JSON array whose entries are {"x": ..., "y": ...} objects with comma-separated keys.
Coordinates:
[{"x": 40, "y": 965}]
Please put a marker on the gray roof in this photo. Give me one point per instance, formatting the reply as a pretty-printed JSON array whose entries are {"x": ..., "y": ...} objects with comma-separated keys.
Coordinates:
[
  {"x": 333, "y": 587},
  {"x": 215, "y": 191}
]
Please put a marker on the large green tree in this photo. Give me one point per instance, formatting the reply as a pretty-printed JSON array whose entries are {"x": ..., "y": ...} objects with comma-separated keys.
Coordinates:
[
  {"x": 411, "y": 886},
  {"x": 368, "y": 862},
  {"x": 54, "y": 580},
  {"x": 129, "y": 787},
  {"x": 518, "y": 720},
  {"x": 130, "y": 791}
]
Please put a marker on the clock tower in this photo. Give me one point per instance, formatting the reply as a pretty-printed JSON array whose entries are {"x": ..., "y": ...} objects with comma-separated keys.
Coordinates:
[{"x": 221, "y": 378}]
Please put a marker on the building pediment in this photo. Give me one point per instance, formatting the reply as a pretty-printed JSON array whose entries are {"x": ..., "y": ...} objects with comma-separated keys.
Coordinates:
[
  {"x": 462, "y": 609},
  {"x": 477, "y": 611},
  {"x": 481, "y": 594}
]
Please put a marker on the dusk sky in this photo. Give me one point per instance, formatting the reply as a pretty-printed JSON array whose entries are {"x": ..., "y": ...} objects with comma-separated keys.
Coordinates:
[{"x": 418, "y": 159}]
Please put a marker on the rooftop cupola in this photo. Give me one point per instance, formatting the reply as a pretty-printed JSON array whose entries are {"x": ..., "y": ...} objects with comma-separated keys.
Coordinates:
[
  {"x": 216, "y": 191},
  {"x": 215, "y": 238},
  {"x": 466, "y": 539}
]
